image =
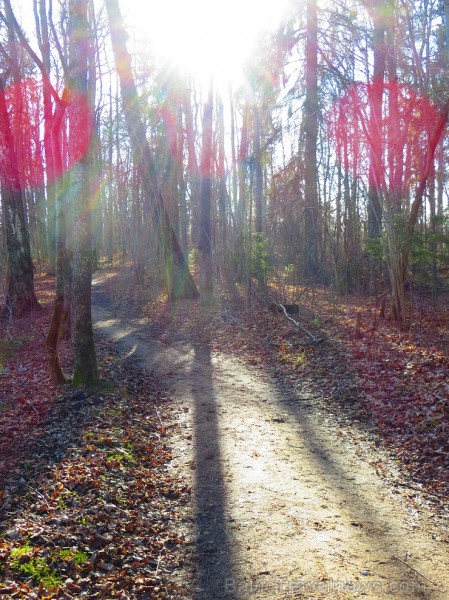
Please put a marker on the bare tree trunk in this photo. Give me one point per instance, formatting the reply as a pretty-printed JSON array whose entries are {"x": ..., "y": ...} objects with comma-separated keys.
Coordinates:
[
  {"x": 311, "y": 234},
  {"x": 181, "y": 185},
  {"x": 376, "y": 148},
  {"x": 241, "y": 265},
  {"x": 85, "y": 362},
  {"x": 205, "y": 241},
  {"x": 258, "y": 194},
  {"x": 233, "y": 153},
  {"x": 433, "y": 244},
  {"x": 179, "y": 281},
  {"x": 59, "y": 316},
  {"x": 375, "y": 122},
  {"x": 258, "y": 173},
  {"x": 109, "y": 204},
  {"x": 222, "y": 192},
  {"x": 44, "y": 44},
  {"x": 242, "y": 164},
  {"x": 192, "y": 168}
]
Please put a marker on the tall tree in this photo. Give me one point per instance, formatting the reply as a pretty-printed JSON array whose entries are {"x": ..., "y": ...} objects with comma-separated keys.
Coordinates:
[
  {"x": 59, "y": 316},
  {"x": 205, "y": 239},
  {"x": 179, "y": 282},
  {"x": 311, "y": 233},
  {"x": 43, "y": 38},
  {"x": 53, "y": 130},
  {"x": 222, "y": 191},
  {"x": 193, "y": 170},
  {"x": 80, "y": 131},
  {"x": 376, "y": 92}
]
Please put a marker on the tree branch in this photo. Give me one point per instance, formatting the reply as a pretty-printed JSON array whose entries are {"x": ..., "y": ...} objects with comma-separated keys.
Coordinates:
[{"x": 314, "y": 339}]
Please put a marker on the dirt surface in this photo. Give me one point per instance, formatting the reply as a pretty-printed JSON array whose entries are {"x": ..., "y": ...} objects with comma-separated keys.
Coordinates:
[{"x": 287, "y": 502}]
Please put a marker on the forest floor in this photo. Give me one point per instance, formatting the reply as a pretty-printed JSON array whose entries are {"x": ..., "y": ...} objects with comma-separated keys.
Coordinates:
[{"x": 227, "y": 456}]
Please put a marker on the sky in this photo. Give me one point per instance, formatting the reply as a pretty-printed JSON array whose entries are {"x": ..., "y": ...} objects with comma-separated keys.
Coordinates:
[
  {"x": 205, "y": 37},
  {"x": 202, "y": 37}
]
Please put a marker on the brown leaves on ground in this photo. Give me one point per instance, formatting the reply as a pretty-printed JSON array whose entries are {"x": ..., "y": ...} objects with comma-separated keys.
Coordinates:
[
  {"x": 403, "y": 382},
  {"x": 89, "y": 507},
  {"x": 396, "y": 383}
]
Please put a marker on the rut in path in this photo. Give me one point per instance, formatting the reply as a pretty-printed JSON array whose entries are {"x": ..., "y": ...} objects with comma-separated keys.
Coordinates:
[{"x": 282, "y": 506}]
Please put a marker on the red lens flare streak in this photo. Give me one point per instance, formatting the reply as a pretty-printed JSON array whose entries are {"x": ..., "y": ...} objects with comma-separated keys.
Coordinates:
[
  {"x": 395, "y": 146},
  {"x": 25, "y": 110}
]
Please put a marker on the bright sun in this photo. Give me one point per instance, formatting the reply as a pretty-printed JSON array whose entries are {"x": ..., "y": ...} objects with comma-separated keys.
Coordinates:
[{"x": 206, "y": 37}]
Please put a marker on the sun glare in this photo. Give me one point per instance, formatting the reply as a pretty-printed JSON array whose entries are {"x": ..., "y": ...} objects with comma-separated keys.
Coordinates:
[{"x": 206, "y": 37}]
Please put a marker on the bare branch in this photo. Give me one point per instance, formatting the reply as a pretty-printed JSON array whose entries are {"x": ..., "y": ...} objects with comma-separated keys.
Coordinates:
[
  {"x": 30, "y": 51},
  {"x": 314, "y": 339}
]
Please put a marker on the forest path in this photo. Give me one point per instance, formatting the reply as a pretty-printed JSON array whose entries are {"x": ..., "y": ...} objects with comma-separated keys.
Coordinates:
[{"x": 282, "y": 505}]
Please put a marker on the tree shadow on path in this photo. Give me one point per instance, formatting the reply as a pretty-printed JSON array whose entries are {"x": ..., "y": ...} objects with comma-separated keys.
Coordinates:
[{"x": 215, "y": 561}]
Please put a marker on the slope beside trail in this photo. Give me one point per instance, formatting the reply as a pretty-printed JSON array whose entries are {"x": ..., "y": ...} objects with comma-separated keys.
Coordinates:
[{"x": 284, "y": 505}]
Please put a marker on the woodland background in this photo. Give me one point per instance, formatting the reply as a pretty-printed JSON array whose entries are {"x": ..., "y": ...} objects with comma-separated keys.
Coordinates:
[
  {"x": 318, "y": 185},
  {"x": 325, "y": 170}
]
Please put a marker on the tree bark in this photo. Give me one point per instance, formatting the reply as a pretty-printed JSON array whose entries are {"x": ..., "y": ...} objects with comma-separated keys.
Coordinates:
[
  {"x": 376, "y": 91},
  {"x": 85, "y": 363},
  {"x": 311, "y": 234},
  {"x": 222, "y": 192},
  {"x": 192, "y": 168},
  {"x": 258, "y": 174},
  {"x": 205, "y": 241},
  {"x": 242, "y": 171},
  {"x": 59, "y": 315},
  {"x": 43, "y": 37}
]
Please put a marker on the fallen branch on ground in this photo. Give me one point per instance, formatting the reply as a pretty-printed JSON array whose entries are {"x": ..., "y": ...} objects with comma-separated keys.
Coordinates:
[{"x": 314, "y": 339}]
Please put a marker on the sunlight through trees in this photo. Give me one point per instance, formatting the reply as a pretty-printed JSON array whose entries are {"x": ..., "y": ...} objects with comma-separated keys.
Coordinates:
[{"x": 319, "y": 148}]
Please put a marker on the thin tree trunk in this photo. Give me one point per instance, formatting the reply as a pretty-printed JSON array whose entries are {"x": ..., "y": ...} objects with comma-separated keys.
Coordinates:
[
  {"x": 109, "y": 204},
  {"x": 258, "y": 192},
  {"x": 242, "y": 164},
  {"x": 311, "y": 236},
  {"x": 258, "y": 174},
  {"x": 58, "y": 314},
  {"x": 181, "y": 184},
  {"x": 205, "y": 241},
  {"x": 192, "y": 168},
  {"x": 222, "y": 192},
  {"x": 375, "y": 122},
  {"x": 233, "y": 153},
  {"x": 433, "y": 231},
  {"x": 375, "y": 126},
  {"x": 43, "y": 37}
]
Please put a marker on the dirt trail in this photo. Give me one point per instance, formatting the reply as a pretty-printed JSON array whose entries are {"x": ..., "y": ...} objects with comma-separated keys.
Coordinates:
[{"x": 282, "y": 505}]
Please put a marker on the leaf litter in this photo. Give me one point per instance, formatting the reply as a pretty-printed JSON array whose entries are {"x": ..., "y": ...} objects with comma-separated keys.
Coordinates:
[
  {"x": 325, "y": 381},
  {"x": 393, "y": 385},
  {"x": 79, "y": 486},
  {"x": 89, "y": 506}
]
